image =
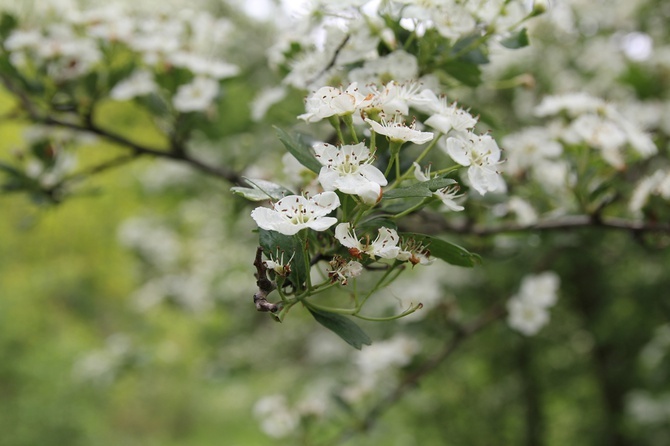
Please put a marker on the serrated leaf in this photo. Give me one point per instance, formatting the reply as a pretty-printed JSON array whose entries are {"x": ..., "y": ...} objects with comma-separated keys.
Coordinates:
[
  {"x": 343, "y": 327},
  {"x": 516, "y": 40},
  {"x": 261, "y": 190},
  {"x": 299, "y": 149},
  {"x": 447, "y": 251},
  {"x": 423, "y": 189},
  {"x": 291, "y": 248}
]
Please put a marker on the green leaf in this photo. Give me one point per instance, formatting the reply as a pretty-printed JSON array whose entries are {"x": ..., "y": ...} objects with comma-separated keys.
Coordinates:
[
  {"x": 516, "y": 40},
  {"x": 444, "y": 250},
  {"x": 7, "y": 24},
  {"x": 423, "y": 189},
  {"x": 300, "y": 150},
  {"x": 343, "y": 327},
  {"x": 466, "y": 52},
  {"x": 468, "y": 73},
  {"x": 291, "y": 247},
  {"x": 261, "y": 190}
]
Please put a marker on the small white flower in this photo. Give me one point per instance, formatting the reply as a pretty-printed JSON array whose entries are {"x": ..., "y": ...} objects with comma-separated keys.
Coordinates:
[
  {"x": 525, "y": 214},
  {"x": 295, "y": 212},
  {"x": 330, "y": 101},
  {"x": 529, "y": 147},
  {"x": 384, "y": 246},
  {"x": 445, "y": 116},
  {"x": 203, "y": 66},
  {"x": 528, "y": 311},
  {"x": 278, "y": 265},
  {"x": 447, "y": 194},
  {"x": 398, "y": 131},
  {"x": 398, "y": 65},
  {"x": 394, "y": 98},
  {"x": 541, "y": 289},
  {"x": 525, "y": 317},
  {"x": 197, "y": 95},
  {"x": 415, "y": 253},
  {"x": 139, "y": 83},
  {"x": 349, "y": 169},
  {"x": 574, "y": 104},
  {"x": 277, "y": 419},
  {"x": 657, "y": 184},
  {"x": 481, "y": 154}
]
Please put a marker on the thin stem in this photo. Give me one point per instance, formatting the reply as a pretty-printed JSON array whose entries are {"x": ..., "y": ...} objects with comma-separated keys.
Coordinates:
[
  {"x": 349, "y": 122},
  {"x": 346, "y": 311},
  {"x": 407, "y": 312},
  {"x": 417, "y": 206},
  {"x": 335, "y": 122}
]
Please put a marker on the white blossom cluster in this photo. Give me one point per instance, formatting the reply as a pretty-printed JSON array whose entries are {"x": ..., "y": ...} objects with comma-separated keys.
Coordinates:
[
  {"x": 351, "y": 32},
  {"x": 82, "y": 41},
  {"x": 351, "y": 168}
]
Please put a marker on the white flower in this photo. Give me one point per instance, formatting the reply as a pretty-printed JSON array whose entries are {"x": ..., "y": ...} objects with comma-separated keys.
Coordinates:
[
  {"x": 481, "y": 154},
  {"x": 525, "y": 214},
  {"x": 540, "y": 289},
  {"x": 330, "y": 101},
  {"x": 415, "y": 253},
  {"x": 528, "y": 310},
  {"x": 396, "y": 130},
  {"x": 657, "y": 183},
  {"x": 196, "y": 96},
  {"x": 445, "y": 117},
  {"x": 529, "y": 147},
  {"x": 380, "y": 356},
  {"x": 525, "y": 317},
  {"x": 446, "y": 194},
  {"x": 600, "y": 133},
  {"x": 139, "y": 83},
  {"x": 398, "y": 65},
  {"x": 349, "y": 169},
  {"x": 384, "y": 246},
  {"x": 278, "y": 265},
  {"x": 276, "y": 418},
  {"x": 265, "y": 99},
  {"x": 394, "y": 98},
  {"x": 574, "y": 104},
  {"x": 295, "y": 212},
  {"x": 203, "y": 66}
]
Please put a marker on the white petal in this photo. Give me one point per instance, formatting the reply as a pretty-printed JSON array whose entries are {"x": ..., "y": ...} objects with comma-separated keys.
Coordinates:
[
  {"x": 458, "y": 151},
  {"x": 345, "y": 236}
]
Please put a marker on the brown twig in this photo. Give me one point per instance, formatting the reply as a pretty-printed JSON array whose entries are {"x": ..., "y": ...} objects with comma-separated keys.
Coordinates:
[{"x": 265, "y": 285}]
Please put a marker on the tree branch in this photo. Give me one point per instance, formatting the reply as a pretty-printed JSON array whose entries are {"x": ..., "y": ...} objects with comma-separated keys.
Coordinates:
[
  {"x": 410, "y": 381},
  {"x": 176, "y": 153},
  {"x": 568, "y": 222}
]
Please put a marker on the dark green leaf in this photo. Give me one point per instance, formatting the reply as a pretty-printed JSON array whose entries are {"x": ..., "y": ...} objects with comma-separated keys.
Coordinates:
[
  {"x": 300, "y": 150},
  {"x": 469, "y": 49},
  {"x": 273, "y": 242},
  {"x": 516, "y": 40},
  {"x": 7, "y": 24},
  {"x": 447, "y": 251},
  {"x": 468, "y": 73},
  {"x": 343, "y": 327},
  {"x": 424, "y": 189}
]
